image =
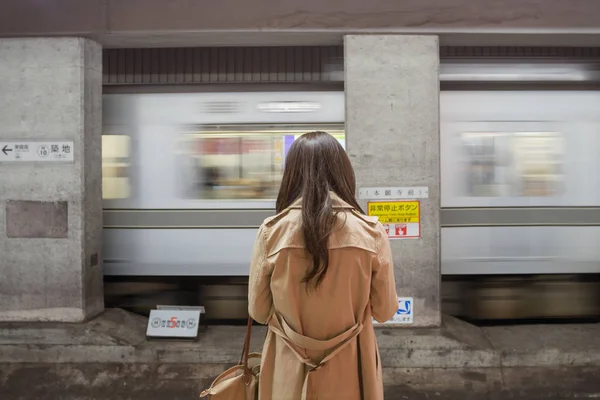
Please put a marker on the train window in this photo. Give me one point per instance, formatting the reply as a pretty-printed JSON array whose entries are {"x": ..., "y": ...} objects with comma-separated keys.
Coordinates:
[
  {"x": 115, "y": 167},
  {"x": 242, "y": 162},
  {"x": 538, "y": 163},
  {"x": 525, "y": 164},
  {"x": 487, "y": 157}
]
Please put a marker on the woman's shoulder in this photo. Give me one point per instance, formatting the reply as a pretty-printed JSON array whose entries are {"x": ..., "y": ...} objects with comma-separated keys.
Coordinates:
[
  {"x": 370, "y": 220},
  {"x": 287, "y": 216},
  {"x": 281, "y": 217},
  {"x": 282, "y": 230},
  {"x": 357, "y": 230},
  {"x": 285, "y": 230},
  {"x": 366, "y": 224},
  {"x": 284, "y": 224}
]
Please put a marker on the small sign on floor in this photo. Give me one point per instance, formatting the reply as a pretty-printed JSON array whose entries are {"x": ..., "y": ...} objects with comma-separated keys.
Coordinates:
[{"x": 174, "y": 322}]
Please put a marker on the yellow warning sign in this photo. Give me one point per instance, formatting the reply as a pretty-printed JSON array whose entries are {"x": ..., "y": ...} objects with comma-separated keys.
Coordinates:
[{"x": 395, "y": 212}]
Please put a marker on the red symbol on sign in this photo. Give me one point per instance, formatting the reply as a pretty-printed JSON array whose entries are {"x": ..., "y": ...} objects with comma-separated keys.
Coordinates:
[
  {"x": 401, "y": 230},
  {"x": 387, "y": 228}
]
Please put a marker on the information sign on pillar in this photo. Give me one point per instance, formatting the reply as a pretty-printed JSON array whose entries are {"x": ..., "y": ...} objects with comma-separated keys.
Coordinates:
[
  {"x": 388, "y": 193},
  {"x": 404, "y": 315},
  {"x": 401, "y": 218},
  {"x": 20, "y": 151}
]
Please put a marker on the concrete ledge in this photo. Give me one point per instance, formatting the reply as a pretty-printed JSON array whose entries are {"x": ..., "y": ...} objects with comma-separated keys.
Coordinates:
[{"x": 109, "y": 358}]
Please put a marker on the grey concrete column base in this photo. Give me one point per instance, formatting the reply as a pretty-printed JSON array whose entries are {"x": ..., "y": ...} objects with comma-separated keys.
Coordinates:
[
  {"x": 393, "y": 140},
  {"x": 51, "y": 212},
  {"x": 109, "y": 358}
]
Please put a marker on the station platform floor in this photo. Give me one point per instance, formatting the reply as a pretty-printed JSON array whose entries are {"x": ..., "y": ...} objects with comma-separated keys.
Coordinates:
[{"x": 109, "y": 357}]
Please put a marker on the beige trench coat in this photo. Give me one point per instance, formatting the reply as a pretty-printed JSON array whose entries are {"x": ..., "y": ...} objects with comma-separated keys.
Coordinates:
[{"x": 321, "y": 344}]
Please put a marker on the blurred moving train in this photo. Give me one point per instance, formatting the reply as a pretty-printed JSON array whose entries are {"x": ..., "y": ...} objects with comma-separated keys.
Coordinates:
[{"x": 188, "y": 178}]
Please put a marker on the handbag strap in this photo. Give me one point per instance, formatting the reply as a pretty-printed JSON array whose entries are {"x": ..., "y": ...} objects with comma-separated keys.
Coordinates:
[{"x": 246, "y": 350}]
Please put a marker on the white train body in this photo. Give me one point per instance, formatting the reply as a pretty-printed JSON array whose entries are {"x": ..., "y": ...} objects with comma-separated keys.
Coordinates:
[{"x": 189, "y": 177}]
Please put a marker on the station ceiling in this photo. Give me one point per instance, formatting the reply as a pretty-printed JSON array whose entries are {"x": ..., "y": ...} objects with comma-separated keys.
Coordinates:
[{"x": 193, "y": 23}]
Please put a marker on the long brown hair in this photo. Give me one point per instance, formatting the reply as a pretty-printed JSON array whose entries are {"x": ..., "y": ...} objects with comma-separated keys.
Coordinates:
[{"x": 316, "y": 164}]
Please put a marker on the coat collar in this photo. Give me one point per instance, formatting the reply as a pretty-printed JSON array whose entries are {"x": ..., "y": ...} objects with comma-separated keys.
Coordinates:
[{"x": 336, "y": 201}]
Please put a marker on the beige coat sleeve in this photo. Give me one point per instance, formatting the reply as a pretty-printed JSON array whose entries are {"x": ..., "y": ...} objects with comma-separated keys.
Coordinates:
[
  {"x": 260, "y": 298},
  {"x": 384, "y": 300}
]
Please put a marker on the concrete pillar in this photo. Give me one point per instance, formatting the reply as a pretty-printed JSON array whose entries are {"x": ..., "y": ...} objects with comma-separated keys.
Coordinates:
[
  {"x": 50, "y": 211},
  {"x": 392, "y": 128}
]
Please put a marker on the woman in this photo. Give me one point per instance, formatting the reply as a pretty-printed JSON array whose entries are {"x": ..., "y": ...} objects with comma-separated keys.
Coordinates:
[{"x": 320, "y": 272}]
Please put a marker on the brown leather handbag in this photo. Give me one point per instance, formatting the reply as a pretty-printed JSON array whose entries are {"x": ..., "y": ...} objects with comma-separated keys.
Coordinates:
[{"x": 241, "y": 381}]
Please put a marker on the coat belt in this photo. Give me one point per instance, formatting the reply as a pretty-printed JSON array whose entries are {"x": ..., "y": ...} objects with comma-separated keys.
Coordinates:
[{"x": 298, "y": 343}]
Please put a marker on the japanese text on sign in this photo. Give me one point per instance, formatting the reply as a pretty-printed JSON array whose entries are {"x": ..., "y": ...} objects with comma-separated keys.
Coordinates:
[
  {"x": 395, "y": 212},
  {"x": 388, "y": 193},
  {"x": 37, "y": 151},
  {"x": 401, "y": 219}
]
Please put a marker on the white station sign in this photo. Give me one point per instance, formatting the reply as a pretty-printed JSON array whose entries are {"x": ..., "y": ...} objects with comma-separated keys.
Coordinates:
[
  {"x": 404, "y": 315},
  {"x": 177, "y": 323},
  {"x": 37, "y": 151},
  {"x": 388, "y": 193}
]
